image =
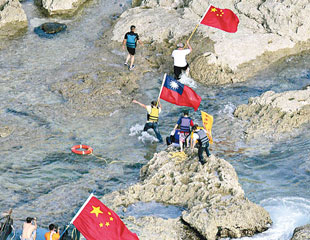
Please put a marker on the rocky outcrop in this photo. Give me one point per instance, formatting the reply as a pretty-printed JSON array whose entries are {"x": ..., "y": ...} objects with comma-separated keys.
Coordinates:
[
  {"x": 273, "y": 113},
  {"x": 150, "y": 227},
  {"x": 5, "y": 131},
  {"x": 302, "y": 233},
  {"x": 268, "y": 31},
  {"x": 12, "y": 17},
  {"x": 215, "y": 202},
  {"x": 60, "y": 7}
]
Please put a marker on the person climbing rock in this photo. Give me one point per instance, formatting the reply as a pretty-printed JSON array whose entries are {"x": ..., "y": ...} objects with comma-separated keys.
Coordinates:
[
  {"x": 179, "y": 57},
  {"x": 153, "y": 112},
  {"x": 130, "y": 40},
  {"x": 203, "y": 142},
  {"x": 53, "y": 234},
  {"x": 29, "y": 229},
  {"x": 185, "y": 122}
]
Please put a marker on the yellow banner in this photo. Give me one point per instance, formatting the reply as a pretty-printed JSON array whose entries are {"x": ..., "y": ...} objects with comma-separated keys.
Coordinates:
[{"x": 207, "y": 121}]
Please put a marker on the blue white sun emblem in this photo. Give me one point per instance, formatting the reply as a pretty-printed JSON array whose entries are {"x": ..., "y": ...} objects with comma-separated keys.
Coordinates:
[{"x": 174, "y": 85}]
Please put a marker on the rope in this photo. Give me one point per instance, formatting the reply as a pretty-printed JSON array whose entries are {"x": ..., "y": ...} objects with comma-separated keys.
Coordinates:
[{"x": 178, "y": 157}]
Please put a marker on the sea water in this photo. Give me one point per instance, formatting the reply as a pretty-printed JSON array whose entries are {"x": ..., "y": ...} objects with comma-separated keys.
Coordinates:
[{"x": 41, "y": 177}]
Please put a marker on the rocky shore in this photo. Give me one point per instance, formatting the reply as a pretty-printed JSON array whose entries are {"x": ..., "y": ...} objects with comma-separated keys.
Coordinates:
[
  {"x": 13, "y": 18},
  {"x": 302, "y": 233},
  {"x": 273, "y": 113},
  {"x": 263, "y": 39},
  {"x": 60, "y": 7},
  {"x": 211, "y": 194}
]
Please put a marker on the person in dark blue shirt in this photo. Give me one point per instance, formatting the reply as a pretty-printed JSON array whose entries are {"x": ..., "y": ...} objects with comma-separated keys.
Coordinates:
[{"x": 130, "y": 40}]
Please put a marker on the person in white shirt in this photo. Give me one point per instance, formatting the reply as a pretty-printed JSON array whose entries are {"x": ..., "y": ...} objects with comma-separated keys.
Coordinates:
[{"x": 179, "y": 57}]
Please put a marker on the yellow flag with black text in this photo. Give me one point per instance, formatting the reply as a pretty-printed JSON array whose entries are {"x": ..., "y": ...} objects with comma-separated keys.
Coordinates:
[{"x": 207, "y": 121}]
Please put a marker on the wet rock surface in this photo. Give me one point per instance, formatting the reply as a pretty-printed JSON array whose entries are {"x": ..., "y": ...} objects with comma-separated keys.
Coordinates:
[
  {"x": 302, "y": 233},
  {"x": 263, "y": 40},
  {"x": 60, "y": 7},
  {"x": 273, "y": 113},
  {"x": 12, "y": 17},
  {"x": 53, "y": 27},
  {"x": 215, "y": 202}
]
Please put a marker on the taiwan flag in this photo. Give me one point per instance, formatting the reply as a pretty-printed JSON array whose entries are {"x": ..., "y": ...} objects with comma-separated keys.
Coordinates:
[
  {"x": 97, "y": 222},
  {"x": 223, "y": 19},
  {"x": 177, "y": 93}
]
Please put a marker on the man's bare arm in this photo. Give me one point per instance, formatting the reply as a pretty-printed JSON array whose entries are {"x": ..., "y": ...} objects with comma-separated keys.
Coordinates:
[{"x": 141, "y": 104}]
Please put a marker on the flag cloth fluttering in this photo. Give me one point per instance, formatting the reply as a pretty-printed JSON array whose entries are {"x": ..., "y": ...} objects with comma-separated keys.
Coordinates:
[
  {"x": 97, "y": 222},
  {"x": 207, "y": 121},
  {"x": 179, "y": 94},
  {"x": 223, "y": 19}
]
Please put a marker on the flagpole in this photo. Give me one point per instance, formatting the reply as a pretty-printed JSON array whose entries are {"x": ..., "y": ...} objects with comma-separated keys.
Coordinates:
[
  {"x": 81, "y": 209},
  {"x": 161, "y": 89},
  {"x": 197, "y": 25}
]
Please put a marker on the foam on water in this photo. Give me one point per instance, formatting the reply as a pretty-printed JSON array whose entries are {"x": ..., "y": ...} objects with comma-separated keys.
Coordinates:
[
  {"x": 188, "y": 81},
  {"x": 137, "y": 130},
  {"x": 286, "y": 214}
]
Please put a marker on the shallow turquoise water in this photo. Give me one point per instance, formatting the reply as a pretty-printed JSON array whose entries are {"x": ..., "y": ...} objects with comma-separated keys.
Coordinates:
[{"x": 41, "y": 177}]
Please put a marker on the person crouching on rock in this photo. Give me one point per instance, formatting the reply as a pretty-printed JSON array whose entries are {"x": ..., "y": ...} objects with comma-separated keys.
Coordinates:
[
  {"x": 179, "y": 57},
  {"x": 153, "y": 112},
  {"x": 130, "y": 40},
  {"x": 185, "y": 122},
  {"x": 29, "y": 229},
  {"x": 174, "y": 138},
  {"x": 200, "y": 136},
  {"x": 53, "y": 234}
]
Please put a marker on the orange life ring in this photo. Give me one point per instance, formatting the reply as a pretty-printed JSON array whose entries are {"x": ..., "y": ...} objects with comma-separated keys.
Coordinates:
[{"x": 88, "y": 149}]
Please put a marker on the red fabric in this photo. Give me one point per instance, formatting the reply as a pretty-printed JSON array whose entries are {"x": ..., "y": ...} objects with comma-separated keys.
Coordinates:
[
  {"x": 223, "y": 19},
  {"x": 103, "y": 225},
  {"x": 188, "y": 98}
]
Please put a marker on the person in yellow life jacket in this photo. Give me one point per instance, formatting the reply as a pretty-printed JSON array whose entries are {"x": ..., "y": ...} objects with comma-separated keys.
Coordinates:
[{"x": 153, "y": 112}]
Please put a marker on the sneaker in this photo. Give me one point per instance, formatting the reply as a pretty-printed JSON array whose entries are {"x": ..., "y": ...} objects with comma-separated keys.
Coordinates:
[
  {"x": 126, "y": 64},
  {"x": 132, "y": 67}
]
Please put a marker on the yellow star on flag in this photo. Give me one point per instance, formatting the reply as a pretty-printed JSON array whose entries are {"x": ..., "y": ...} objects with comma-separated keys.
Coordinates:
[
  {"x": 109, "y": 213},
  {"x": 96, "y": 210},
  {"x": 213, "y": 9},
  {"x": 111, "y": 219},
  {"x": 107, "y": 224},
  {"x": 101, "y": 224}
]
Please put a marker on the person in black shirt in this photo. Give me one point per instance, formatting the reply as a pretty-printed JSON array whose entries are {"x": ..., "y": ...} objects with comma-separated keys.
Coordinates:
[{"x": 130, "y": 40}]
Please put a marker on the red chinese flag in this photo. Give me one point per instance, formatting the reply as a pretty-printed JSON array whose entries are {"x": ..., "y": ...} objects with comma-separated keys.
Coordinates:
[
  {"x": 223, "y": 19},
  {"x": 97, "y": 222},
  {"x": 177, "y": 93}
]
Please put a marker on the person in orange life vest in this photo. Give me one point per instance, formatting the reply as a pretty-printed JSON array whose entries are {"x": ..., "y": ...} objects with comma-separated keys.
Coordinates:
[
  {"x": 53, "y": 234},
  {"x": 130, "y": 40},
  {"x": 153, "y": 112},
  {"x": 185, "y": 122}
]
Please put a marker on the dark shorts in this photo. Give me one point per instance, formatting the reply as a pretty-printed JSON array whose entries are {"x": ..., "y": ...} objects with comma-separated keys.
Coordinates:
[
  {"x": 178, "y": 71},
  {"x": 131, "y": 51}
]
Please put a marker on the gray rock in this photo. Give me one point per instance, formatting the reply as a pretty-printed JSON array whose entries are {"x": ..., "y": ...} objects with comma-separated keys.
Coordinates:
[
  {"x": 12, "y": 17},
  {"x": 302, "y": 233},
  {"x": 215, "y": 202},
  {"x": 53, "y": 27},
  {"x": 273, "y": 113},
  {"x": 60, "y": 7}
]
